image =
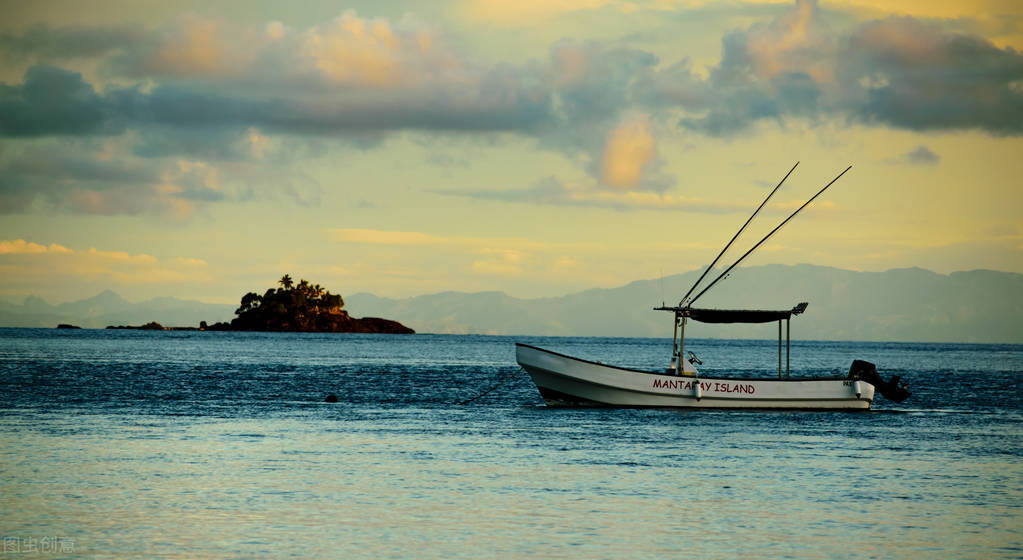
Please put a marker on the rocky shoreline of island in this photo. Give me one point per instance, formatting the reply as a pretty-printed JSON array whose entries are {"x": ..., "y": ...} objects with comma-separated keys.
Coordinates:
[
  {"x": 150, "y": 326},
  {"x": 301, "y": 307}
]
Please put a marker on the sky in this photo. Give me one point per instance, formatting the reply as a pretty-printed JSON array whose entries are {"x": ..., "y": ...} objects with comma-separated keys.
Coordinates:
[{"x": 204, "y": 149}]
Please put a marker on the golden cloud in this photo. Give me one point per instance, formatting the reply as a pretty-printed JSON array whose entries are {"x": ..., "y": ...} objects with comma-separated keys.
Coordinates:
[
  {"x": 196, "y": 46},
  {"x": 628, "y": 149},
  {"x": 380, "y": 237},
  {"x": 374, "y": 52},
  {"x": 502, "y": 12},
  {"x": 118, "y": 266},
  {"x": 121, "y": 256},
  {"x": 22, "y": 247}
]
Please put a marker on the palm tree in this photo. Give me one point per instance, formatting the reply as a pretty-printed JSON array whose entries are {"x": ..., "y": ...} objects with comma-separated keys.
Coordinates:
[{"x": 286, "y": 282}]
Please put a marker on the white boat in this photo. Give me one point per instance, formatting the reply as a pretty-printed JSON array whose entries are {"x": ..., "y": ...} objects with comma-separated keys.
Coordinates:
[{"x": 568, "y": 381}]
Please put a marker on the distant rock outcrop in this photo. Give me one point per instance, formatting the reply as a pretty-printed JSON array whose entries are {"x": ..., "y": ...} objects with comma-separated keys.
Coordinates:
[
  {"x": 108, "y": 308},
  {"x": 301, "y": 308},
  {"x": 67, "y": 326},
  {"x": 151, "y": 326}
]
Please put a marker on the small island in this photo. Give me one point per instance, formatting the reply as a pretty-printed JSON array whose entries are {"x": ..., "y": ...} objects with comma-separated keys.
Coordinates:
[
  {"x": 301, "y": 307},
  {"x": 150, "y": 326}
]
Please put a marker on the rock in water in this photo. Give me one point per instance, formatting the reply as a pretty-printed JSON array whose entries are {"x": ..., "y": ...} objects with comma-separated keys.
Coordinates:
[{"x": 330, "y": 398}]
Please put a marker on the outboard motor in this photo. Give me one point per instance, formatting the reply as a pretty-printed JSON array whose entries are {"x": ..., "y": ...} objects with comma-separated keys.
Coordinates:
[{"x": 893, "y": 390}]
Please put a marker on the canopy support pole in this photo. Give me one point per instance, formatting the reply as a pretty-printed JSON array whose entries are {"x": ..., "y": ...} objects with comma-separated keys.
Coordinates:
[
  {"x": 674, "y": 339},
  {"x": 681, "y": 345},
  {"x": 788, "y": 346},
  {"x": 779, "y": 348},
  {"x": 674, "y": 345}
]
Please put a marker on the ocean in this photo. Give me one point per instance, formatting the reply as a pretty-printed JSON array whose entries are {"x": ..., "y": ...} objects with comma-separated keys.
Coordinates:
[{"x": 132, "y": 444}]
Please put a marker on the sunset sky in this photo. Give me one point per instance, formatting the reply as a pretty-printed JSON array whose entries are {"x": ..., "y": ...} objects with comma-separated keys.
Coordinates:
[{"x": 203, "y": 149}]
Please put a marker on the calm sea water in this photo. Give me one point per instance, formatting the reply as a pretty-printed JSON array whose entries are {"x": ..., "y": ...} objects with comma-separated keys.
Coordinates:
[{"x": 193, "y": 445}]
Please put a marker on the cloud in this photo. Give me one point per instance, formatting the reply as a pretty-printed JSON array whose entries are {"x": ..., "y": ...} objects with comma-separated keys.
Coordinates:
[
  {"x": 43, "y": 42},
  {"x": 197, "y": 47},
  {"x": 54, "y": 101},
  {"x": 26, "y": 259},
  {"x": 353, "y": 50},
  {"x": 921, "y": 155},
  {"x": 353, "y": 77},
  {"x": 551, "y": 191},
  {"x": 772, "y": 70},
  {"x": 403, "y": 238},
  {"x": 899, "y": 72},
  {"x": 61, "y": 176},
  {"x": 499, "y": 262},
  {"x": 477, "y": 245},
  {"x": 629, "y": 160},
  {"x": 595, "y": 89},
  {"x": 22, "y": 247},
  {"x": 628, "y": 149},
  {"x": 501, "y": 12},
  {"x": 222, "y": 98},
  {"x": 104, "y": 177},
  {"x": 121, "y": 256},
  {"x": 488, "y": 256},
  {"x": 191, "y": 262},
  {"x": 913, "y": 75},
  {"x": 347, "y": 77}
]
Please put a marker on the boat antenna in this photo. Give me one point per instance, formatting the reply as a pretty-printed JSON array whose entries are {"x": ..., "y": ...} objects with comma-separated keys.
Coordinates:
[
  {"x": 662, "y": 285},
  {"x": 736, "y": 236},
  {"x": 766, "y": 237}
]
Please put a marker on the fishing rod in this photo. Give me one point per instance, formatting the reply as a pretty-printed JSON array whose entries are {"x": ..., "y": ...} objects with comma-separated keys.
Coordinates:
[
  {"x": 736, "y": 236},
  {"x": 761, "y": 242}
]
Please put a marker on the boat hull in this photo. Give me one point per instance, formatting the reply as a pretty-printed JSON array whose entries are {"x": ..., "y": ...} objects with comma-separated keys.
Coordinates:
[{"x": 566, "y": 381}]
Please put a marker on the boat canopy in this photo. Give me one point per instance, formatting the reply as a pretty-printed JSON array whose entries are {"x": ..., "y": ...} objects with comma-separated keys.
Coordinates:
[{"x": 735, "y": 315}]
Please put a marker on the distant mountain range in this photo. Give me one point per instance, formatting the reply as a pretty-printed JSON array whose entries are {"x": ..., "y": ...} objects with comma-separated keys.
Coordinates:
[
  {"x": 108, "y": 308},
  {"x": 896, "y": 305}
]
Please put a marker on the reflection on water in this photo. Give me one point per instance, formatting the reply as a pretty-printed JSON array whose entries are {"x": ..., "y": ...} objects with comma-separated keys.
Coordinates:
[{"x": 140, "y": 445}]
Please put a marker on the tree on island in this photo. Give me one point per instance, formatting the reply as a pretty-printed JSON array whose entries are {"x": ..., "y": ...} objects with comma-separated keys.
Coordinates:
[{"x": 302, "y": 308}]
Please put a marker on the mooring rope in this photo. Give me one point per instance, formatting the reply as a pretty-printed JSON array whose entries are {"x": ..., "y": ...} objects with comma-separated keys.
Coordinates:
[{"x": 499, "y": 383}]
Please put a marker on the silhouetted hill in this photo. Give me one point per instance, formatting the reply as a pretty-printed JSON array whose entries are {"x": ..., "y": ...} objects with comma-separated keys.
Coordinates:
[
  {"x": 899, "y": 305},
  {"x": 108, "y": 308},
  {"x": 909, "y": 304}
]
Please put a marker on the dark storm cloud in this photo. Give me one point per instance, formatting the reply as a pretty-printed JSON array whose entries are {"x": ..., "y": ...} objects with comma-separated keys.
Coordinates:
[
  {"x": 595, "y": 80},
  {"x": 919, "y": 78},
  {"x": 96, "y": 178},
  {"x": 69, "y": 42},
  {"x": 492, "y": 109},
  {"x": 897, "y": 72},
  {"x": 212, "y": 94},
  {"x": 49, "y": 172},
  {"x": 54, "y": 101}
]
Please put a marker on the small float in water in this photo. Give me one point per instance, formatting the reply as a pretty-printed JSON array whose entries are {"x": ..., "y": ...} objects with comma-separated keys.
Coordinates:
[{"x": 568, "y": 381}]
